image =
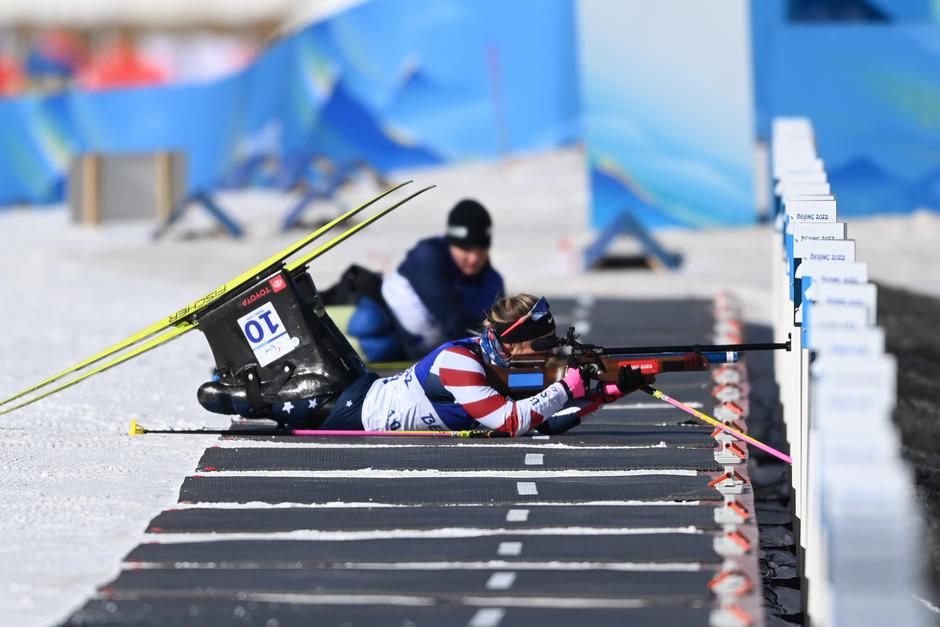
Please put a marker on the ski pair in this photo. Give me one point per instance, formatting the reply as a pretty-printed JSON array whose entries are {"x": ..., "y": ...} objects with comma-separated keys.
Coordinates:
[{"x": 184, "y": 319}]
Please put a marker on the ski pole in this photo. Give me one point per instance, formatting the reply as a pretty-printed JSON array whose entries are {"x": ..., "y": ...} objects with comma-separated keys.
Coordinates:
[
  {"x": 137, "y": 429},
  {"x": 694, "y": 412}
]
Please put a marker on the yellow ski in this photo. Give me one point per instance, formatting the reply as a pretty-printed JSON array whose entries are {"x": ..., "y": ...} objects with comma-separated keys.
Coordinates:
[
  {"x": 139, "y": 349},
  {"x": 389, "y": 366},
  {"x": 209, "y": 298},
  {"x": 339, "y": 239}
]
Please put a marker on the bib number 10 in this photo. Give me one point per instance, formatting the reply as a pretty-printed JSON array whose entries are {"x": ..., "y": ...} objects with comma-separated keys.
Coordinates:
[{"x": 266, "y": 334}]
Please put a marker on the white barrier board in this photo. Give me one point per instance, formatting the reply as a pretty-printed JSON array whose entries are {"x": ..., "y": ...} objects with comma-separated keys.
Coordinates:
[
  {"x": 811, "y": 210},
  {"x": 861, "y": 343},
  {"x": 834, "y": 271},
  {"x": 805, "y": 189},
  {"x": 799, "y": 179},
  {"x": 850, "y": 295},
  {"x": 816, "y": 230},
  {"x": 833, "y": 318},
  {"x": 848, "y": 373},
  {"x": 798, "y": 167},
  {"x": 825, "y": 250}
]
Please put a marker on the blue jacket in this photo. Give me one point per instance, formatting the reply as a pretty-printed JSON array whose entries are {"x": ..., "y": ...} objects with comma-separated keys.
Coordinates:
[{"x": 457, "y": 302}]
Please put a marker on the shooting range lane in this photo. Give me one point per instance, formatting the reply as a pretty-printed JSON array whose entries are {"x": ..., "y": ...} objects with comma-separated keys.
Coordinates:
[
  {"x": 314, "y": 458},
  {"x": 200, "y": 519},
  {"x": 609, "y": 524},
  {"x": 638, "y": 550},
  {"x": 469, "y": 490},
  {"x": 596, "y": 430},
  {"x": 446, "y": 584},
  {"x": 284, "y": 609}
]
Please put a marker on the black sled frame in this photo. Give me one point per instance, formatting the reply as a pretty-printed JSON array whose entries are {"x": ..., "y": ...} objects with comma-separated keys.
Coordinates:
[{"x": 275, "y": 339}]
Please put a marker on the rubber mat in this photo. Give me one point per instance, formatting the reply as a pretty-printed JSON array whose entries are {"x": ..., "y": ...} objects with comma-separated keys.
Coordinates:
[
  {"x": 210, "y": 613},
  {"x": 666, "y": 416},
  {"x": 453, "y": 459},
  {"x": 450, "y": 585},
  {"x": 682, "y": 391},
  {"x": 645, "y": 548},
  {"x": 444, "y": 490},
  {"x": 203, "y": 520},
  {"x": 586, "y": 434},
  {"x": 677, "y": 434}
]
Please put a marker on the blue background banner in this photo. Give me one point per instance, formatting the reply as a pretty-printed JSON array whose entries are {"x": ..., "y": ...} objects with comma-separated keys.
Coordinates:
[
  {"x": 665, "y": 101},
  {"x": 872, "y": 91},
  {"x": 396, "y": 83},
  {"x": 667, "y": 111}
]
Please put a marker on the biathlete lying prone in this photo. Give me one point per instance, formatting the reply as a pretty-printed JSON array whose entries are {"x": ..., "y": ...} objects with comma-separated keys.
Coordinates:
[{"x": 449, "y": 388}]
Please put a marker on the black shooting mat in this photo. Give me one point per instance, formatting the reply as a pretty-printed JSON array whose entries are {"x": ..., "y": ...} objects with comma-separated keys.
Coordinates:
[
  {"x": 697, "y": 390},
  {"x": 445, "y": 490},
  {"x": 313, "y": 567},
  {"x": 684, "y": 435},
  {"x": 452, "y": 459},
  {"x": 652, "y": 547},
  {"x": 210, "y": 612},
  {"x": 447, "y": 584},
  {"x": 589, "y": 433},
  {"x": 638, "y": 322},
  {"x": 658, "y": 415},
  {"x": 495, "y": 517}
]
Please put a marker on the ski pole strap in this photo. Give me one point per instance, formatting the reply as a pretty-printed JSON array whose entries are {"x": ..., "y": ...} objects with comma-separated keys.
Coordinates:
[{"x": 716, "y": 423}]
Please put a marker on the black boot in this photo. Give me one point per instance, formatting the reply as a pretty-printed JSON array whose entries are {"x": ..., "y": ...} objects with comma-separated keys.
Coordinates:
[
  {"x": 227, "y": 399},
  {"x": 293, "y": 403}
]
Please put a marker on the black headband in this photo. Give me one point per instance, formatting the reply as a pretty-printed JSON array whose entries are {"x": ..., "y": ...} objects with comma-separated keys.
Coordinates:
[{"x": 528, "y": 330}]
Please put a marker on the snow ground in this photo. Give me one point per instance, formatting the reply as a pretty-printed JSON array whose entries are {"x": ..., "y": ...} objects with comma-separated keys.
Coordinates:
[{"x": 77, "y": 493}]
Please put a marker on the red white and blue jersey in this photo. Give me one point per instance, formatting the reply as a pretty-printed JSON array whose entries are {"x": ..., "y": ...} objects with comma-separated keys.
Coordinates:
[{"x": 447, "y": 390}]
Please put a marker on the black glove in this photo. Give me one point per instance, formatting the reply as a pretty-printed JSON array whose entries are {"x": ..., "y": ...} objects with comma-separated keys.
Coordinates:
[
  {"x": 556, "y": 425},
  {"x": 630, "y": 379}
]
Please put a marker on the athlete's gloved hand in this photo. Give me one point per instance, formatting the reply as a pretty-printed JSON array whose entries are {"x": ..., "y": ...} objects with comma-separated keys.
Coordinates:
[
  {"x": 574, "y": 382},
  {"x": 630, "y": 379},
  {"x": 556, "y": 425}
]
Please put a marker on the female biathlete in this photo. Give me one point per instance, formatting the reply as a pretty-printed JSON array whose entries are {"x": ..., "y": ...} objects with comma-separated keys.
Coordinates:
[{"x": 449, "y": 389}]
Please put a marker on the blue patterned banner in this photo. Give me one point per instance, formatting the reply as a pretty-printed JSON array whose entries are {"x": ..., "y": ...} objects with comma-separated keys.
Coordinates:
[
  {"x": 872, "y": 91},
  {"x": 667, "y": 110},
  {"x": 395, "y": 83},
  {"x": 660, "y": 94}
]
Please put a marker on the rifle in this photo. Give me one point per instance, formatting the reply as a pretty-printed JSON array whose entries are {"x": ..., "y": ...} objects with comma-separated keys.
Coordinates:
[{"x": 529, "y": 374}]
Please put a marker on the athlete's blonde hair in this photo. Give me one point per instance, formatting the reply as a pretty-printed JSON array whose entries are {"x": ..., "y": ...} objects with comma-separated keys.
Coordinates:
[{"x": 510, "y": 308}]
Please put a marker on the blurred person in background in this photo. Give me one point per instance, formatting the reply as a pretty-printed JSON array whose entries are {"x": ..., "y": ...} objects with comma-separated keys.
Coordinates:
[
  {"x": 121, "y": 64},
  {"x": 441, "y": 291},
  {"x": 12, "y": 78}
]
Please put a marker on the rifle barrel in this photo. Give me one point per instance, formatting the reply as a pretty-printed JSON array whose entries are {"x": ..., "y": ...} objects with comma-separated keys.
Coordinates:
[{"x": 695, "y": 348}]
